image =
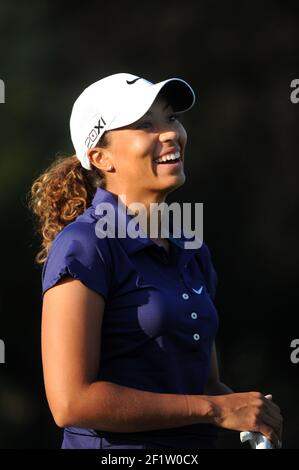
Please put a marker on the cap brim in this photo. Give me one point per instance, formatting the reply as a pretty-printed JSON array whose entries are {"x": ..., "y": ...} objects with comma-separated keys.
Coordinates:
[{"x": 177, "y": 92}]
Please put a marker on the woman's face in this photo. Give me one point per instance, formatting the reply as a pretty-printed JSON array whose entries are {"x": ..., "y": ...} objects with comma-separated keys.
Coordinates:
[{"x": 136, "y": 153}]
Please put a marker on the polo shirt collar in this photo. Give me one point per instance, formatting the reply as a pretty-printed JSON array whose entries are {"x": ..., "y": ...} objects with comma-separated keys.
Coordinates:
[{"x": 132, "y": 245}]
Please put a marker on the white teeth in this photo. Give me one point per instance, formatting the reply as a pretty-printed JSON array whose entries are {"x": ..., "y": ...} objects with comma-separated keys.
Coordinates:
[{"x": 169, "y": 156}]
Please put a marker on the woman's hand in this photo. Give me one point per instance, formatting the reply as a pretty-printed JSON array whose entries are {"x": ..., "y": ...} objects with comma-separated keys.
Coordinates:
[{"x": 249, "y": 411}]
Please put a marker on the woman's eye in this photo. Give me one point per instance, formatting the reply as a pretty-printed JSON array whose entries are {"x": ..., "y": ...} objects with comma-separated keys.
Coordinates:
[
  {"x": 173, "y": 117},
  {"x": 149, "y": 124},
  {"x": 144, "y": 125}
]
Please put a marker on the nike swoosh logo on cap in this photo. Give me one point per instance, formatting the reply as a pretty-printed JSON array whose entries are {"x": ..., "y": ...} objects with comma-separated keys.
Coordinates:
[
  {"x": 197, "y": 291},
  {"x": 130, "y": 82}
]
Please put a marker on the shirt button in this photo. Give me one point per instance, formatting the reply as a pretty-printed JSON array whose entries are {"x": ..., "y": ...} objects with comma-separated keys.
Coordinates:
[
  {"x": 196, "y": 337},
  {"x": 185, "y": 296},
  {"x": 194, "y": 315}
]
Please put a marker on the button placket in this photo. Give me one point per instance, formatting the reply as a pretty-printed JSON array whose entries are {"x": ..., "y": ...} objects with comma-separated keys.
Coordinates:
[
  {"x": 196, "y": 336},
  {"x": 194, "y": 316}
]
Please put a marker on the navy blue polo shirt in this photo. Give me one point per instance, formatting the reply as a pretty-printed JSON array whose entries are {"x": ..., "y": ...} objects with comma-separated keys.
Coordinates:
[{"x": 159, "y": 322}]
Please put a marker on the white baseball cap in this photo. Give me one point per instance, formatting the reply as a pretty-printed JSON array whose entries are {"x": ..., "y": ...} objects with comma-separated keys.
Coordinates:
[{"x": 119, "y": 100}]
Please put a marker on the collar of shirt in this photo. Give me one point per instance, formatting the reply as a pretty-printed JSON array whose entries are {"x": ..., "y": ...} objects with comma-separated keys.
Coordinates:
[{"x": 133, "y": 245}]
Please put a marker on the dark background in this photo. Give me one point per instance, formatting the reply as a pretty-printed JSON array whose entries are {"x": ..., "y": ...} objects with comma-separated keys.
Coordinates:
[{"x": 241, "y": 161}]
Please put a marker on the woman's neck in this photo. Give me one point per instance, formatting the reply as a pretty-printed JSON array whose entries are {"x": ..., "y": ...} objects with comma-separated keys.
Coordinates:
[{"x": 149, "y": 210}]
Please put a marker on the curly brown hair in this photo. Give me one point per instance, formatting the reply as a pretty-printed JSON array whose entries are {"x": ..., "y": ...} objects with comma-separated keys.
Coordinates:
[{"x": 59, "y": 195}]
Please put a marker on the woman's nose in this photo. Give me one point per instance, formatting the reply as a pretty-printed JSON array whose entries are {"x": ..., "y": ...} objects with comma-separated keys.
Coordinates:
[{"x": 168, "y": 135}]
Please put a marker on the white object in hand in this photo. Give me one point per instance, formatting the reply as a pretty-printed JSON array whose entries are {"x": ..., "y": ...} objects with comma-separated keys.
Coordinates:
[{"x": 256, "y": 440}]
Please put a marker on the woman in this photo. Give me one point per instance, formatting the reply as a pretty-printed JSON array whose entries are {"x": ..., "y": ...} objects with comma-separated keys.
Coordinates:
[{"x": 128, "y": 323}]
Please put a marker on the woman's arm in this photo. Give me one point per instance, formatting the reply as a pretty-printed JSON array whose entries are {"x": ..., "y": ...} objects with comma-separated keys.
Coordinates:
[{"x": 71, "y": 342}]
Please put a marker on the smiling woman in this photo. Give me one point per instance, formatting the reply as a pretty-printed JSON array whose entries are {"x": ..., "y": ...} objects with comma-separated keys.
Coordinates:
[
  {"x": 145, "y": 159},
  {"x": 129, "y": 322}
]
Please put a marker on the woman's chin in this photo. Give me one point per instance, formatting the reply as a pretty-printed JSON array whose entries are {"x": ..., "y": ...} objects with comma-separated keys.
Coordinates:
[{"x": 174, "y": 182}]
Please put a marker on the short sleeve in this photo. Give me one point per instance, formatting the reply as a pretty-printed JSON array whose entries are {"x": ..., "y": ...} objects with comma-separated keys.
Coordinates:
[
  {"x": 208, "y": 270},
  {"x": 77, "y": 252}
]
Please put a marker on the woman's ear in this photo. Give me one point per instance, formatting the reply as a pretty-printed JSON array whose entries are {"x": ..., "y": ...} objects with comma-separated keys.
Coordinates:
[{"x": 99, "y": 157}]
